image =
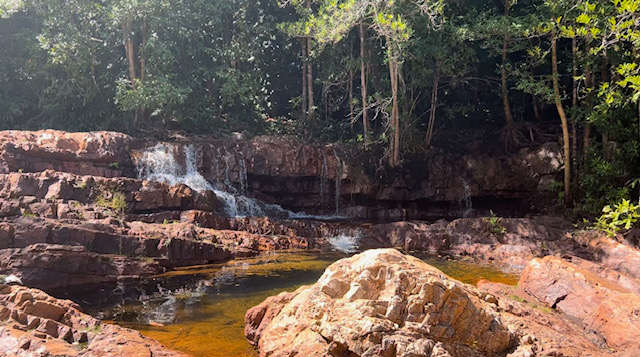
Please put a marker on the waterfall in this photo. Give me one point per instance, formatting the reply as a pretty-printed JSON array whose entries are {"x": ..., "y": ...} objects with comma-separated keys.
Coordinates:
[
  {"x": 324, "y": 178},
  {"x": 339, "y": 172},
  {"x": 159, "y": 163},
  {"x": 244, "y": 180},
  {"x": 465, "y": 205},
  {"x": 345, "y": 243}
]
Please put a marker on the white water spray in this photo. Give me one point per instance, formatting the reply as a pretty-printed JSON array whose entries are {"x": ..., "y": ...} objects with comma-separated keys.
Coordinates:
[
  {"x": 345, "y": 243},
  {"x": 158, "y": 163}
]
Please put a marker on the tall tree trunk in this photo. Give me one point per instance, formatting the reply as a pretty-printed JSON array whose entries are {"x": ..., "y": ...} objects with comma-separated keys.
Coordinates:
[
  {"x": 363, "y": 86},
  {"x": 606, "y": 78},
  {"x": 588, "y": 81},
  {"x": 143, "y": 59},
  {"x": 434, "y": 104},
  {"x": 574, "y": 103},
  {"x": 503, "y": 72},
  {"x": 395, "y": 117},
  {"x": 536, "y": 108},
  {"x": 563, "y": 118},
  {"x": 351, "y": 76},
  {"x": 130, "y": 52},
  {"x": 303, "y": 44},
  {"x": 311, "y": 106},
  {"x": 129, "y": 49}
]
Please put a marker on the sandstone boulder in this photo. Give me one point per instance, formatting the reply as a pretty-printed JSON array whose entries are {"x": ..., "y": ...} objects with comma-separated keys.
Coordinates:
[
  {"x": 600, "y": 305},
  {"x": 379, "y": 303}
]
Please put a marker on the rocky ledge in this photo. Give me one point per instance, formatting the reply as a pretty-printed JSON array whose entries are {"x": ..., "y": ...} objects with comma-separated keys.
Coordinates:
[
  {"x": 33, "y": 323},
  {"x": 384, "y": 303},
  {"x": 310, "y": 178}
]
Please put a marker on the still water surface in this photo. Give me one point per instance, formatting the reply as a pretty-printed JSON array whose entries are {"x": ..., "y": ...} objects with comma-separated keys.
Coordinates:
[{"x": 200, "y": 311}]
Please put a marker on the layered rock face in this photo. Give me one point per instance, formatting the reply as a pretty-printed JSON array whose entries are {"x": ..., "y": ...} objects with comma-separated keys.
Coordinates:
[
  {"x": 101, "y": 153},
  {"x": 379, "y": 303},
  {"x": 33, "y": 323},
  {"x": 314, "y": 179}
]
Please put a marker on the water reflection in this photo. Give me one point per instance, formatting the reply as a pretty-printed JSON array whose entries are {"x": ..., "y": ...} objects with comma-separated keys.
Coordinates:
[{"x": 201, "y": 310}]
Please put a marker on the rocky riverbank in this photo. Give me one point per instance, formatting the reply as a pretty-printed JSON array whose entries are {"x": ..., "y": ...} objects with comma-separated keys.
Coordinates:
[
  {"x": 384, "y": 303},
  {"x": 79, "y": 209},
  {"x": 33, "y": 323}
]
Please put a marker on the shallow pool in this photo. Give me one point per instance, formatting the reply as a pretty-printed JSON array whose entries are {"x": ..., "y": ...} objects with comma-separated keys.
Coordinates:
[{"x": 201, "y": 310}]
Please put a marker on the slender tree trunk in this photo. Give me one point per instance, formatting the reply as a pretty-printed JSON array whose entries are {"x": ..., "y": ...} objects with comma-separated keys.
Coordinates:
[
  {"x": 588, "y": 81},
  {"x": 351, "y": 76},
  {"x": 363, "y": 86},
  {"x": 395, "y": 117},
  {"x": 303, "y": 44},
  {"x": 574, "y": 103},
  {"x": 503, "y": 71},
  {"x": 434, "y": 104},
  {"x": 311, "y": 107},
  {"x": 536, "y": 108},
  {"x": 129, "y": 50},
  {"x": 606, "y": 78},
  {"x": 563, "y": 118},
  {"x": 143, "y": 58}
]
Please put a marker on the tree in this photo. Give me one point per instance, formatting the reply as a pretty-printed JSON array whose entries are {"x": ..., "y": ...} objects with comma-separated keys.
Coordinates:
[{"x": 335, "y": 19}]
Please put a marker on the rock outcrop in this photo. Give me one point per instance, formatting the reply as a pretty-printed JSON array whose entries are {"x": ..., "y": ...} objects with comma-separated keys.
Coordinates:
[
  {"x": 101, "y": 153},
  {"x": 379, "y": 303},
  {"x": 608, "y": 309},
  {"x": 33, "y": 323},
  {"x": 306, "y": 177}
]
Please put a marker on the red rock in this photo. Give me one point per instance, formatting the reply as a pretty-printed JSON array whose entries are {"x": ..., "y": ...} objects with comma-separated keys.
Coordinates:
[
  {"x": 53, "y": 338},
  {"x": 603, "y": 306}
]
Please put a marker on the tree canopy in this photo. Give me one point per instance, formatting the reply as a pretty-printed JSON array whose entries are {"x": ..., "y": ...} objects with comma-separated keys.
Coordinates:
[{"x": 399, "y": 78}]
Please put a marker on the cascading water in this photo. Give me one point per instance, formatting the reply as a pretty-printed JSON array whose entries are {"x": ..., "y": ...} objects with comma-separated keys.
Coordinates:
[
  {"x": 244, "y": 180},
  {"x": 465, "y": 205},
  {"x": 324, "y": 178},
  {"x": 339, "y": 172},
  {"x": 159, "y": 163}
]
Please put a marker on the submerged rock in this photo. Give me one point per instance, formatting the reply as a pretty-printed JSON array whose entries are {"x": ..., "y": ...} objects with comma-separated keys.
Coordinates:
[
  {"x": 33, "y": 323},
  {"x": 379, "y": 303}
]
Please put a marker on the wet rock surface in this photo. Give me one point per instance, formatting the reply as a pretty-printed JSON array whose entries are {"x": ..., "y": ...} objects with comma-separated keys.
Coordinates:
[{"x": 33, "y": 323}]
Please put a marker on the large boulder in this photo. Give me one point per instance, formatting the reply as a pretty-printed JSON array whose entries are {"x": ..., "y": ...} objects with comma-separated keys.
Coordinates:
[
  {"x": 33, "y": 323},
  {"x": 603, "y": 306},
  {"x": 379, "y": 303}
]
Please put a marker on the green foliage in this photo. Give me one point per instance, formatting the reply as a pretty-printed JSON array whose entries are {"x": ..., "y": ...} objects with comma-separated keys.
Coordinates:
[
  {"x": 622, "y": 217},
  {"x": 495, "y": 224},
  {"x": 114, "y": 201},
  {"x": 28, "y": 214},
  {"x": 114, "y": 165}
]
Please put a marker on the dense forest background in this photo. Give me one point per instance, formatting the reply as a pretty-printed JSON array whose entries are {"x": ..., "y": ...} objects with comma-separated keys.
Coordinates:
[{"x": 398, "y": 78}]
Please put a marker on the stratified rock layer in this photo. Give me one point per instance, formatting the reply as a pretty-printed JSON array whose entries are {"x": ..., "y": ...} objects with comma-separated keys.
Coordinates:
[{"x": 378, "y": 303}]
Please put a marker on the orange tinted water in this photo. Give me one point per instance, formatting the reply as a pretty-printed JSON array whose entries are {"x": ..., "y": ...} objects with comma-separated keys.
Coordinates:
[{"x": 213, "y": 325}]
